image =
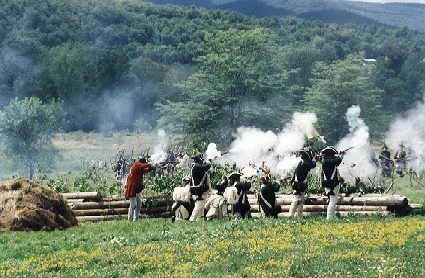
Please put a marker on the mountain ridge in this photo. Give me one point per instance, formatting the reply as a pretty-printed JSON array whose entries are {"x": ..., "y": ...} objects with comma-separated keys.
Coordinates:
[{"x": 410, "y": 15}]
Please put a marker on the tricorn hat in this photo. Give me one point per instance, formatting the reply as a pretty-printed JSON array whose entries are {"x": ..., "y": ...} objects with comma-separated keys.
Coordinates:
[
  {"x": 329, "y": 151},
  {"x": 197, "y": 158},
  {"x": 305, "y": 154},
  {"x": 234, "y": 175}
]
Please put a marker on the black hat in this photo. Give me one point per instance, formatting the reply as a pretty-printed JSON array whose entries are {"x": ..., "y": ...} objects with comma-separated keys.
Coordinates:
[
  {"x": 197, "y": 158},
  {"x": 329, "y": 151},
  {"x": 234, "y": 175},
  {"x": 305, "y": 154}
]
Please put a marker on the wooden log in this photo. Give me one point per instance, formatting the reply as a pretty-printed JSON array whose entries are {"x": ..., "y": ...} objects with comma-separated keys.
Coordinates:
[
  {"x": 118, "y": 217},
  {"x": 73, "y": 201},
  {"x": 87, "y": 196},
  {"x": 321, "y": 208},
  {"x": 323, "y": 213},
  {"x": 98, "y": 212},
  {"x": 114, "y": 211},
  {"x": 382, "y": 200},
  {"x": 416, "y": 206},
  {"x": 120, "y": 204},
  {"x": 101, "y": 205}
]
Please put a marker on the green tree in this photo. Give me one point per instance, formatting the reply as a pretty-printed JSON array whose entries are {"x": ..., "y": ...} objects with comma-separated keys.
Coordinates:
[
  {"x": 238, "y": 68},
  {"x": 338, "y": 86},
  {"x": 26, "y": 129}
]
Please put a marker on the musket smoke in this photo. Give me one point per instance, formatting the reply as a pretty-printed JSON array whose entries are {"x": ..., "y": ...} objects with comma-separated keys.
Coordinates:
[
  {"x": 159, "y": 151},
  {"x": 212, "y": 152},
  {"x": 357, "y": 162},
  {"x": 410, "y": 131},
  {"x": 255, "y": 146}
]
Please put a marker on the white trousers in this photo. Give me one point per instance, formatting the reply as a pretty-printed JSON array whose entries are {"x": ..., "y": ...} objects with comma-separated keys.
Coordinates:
[
  {"x": 134, "y": 209},
  {"x": 297, "y": 205},
  {"x": 181, "y": 213},
  {"x": 333, "y": 199},
  {"x": 198, "y": 210}
]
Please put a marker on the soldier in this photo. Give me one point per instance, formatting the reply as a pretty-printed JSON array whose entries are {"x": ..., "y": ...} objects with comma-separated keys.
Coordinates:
[
  {"x": 242, "y": 206},
  {"x": 183, "y": 207},
  {"x": 330, "y": 178},
  {"x": 300, "y": 183},
  {"x": 386, "y": 162},
  {"x": 135, "y": 185},
  {"x": 200, "y": 185},
  {"x": 216, "y": 204},
  {"x": 400, "y": 159},
  {"x": 267, "y": 197}
]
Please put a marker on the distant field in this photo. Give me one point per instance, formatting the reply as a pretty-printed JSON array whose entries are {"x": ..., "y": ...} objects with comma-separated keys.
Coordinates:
[
  {"x": 77, "y": 147},
  {"x": 314, "y": 247}
]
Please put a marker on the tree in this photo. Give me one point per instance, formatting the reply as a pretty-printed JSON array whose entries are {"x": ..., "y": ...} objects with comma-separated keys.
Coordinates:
[
  {"x": 239, "y": 68},
  {"x": 338, "y": 86},
  {"x": 26, "y": 129}
]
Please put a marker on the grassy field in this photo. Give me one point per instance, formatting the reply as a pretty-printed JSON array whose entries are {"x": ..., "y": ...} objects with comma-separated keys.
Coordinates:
[{"x": 314, "y": 247}]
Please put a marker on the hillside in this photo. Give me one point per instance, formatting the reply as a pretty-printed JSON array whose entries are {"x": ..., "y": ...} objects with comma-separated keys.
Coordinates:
[
  {"x": 113, "y": 63},
  {"x": 329, "y": 11}
]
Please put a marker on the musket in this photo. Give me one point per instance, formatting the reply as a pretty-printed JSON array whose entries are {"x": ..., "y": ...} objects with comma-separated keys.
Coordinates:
[{"x": 346, "y": 150}]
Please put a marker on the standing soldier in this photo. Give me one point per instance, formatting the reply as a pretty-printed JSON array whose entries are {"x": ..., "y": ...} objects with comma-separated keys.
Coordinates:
[
  {"x": 400, "y": 159},
  {"x": 200, "y": 185},
  {"x": 386, "y": 162},
  {"x": 135, "y": 185},
  {"x": 267, "y": 197},
  {"x": 300, "y": 183},
  {"x": 330, "y": 178}
]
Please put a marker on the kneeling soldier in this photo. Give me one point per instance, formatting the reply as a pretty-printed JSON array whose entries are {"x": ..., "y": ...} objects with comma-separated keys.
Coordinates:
[{"x": 267, "y": 197}]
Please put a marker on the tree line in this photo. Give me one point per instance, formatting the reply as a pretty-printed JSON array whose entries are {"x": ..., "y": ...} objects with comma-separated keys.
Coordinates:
[{"x": 133, "y": 65}]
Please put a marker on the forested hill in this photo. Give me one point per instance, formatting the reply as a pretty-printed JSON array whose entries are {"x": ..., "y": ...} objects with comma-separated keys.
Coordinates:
[
  {"x": 328, "y": 11},
  {"x": 116, "y": 64}
]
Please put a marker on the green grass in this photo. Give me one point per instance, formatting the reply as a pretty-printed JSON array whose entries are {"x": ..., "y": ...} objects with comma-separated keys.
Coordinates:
[{"x": 314, "y": 247}]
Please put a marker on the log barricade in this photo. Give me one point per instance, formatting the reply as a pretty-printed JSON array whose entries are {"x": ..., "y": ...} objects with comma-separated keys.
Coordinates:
[
  {"x": 88, "y": 206},
  {"x": 85, "y": 196}
]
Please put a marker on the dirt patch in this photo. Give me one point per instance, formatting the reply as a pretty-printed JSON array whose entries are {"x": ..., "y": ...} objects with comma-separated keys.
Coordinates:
[{"x": 27, "y": 206}]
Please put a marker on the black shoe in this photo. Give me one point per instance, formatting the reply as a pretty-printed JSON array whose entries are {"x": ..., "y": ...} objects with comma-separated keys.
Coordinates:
[{"x": 173, "y": 219}]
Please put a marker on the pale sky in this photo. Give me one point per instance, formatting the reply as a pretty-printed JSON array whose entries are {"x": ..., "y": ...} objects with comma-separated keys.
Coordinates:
[{"x": 389, "y": 1}]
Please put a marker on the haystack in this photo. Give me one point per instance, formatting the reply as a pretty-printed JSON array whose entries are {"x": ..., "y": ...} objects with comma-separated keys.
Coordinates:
[{"x": 27, "y": 206}]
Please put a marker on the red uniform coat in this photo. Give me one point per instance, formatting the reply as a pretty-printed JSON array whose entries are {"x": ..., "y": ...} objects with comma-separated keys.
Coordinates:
[{"x": 135, "y": 178}]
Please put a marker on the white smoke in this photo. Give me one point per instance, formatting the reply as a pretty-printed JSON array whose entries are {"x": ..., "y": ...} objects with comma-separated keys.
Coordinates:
[
  {"x": 357, "y": 161},
  {"x": 410, "y": 131},
  {"x": 292, "y": 138},
  {"x": 212, "y": 152},
  {"x": 251, "y": 145},
  {"x": 159, "y": 151},
  {"x": 287, "y": 165},
  {"x": 255, "y": 146}
]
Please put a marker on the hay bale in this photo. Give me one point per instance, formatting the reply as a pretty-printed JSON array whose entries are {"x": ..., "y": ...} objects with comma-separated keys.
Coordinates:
[{"x": 26, "y": 206}]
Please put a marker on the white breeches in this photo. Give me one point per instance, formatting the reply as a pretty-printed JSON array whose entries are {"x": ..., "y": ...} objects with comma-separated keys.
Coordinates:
[
  {"x": 181, "y": 213},
  {"x": 198, "y": 210},
  {"x": 297, "y": 205},
  {"x": 333, "y": 199},
  {"x": 134, "y": 209}
]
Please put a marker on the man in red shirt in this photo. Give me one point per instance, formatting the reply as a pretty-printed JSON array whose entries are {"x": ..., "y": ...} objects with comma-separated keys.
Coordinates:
[{"x": 135, "y": 185}]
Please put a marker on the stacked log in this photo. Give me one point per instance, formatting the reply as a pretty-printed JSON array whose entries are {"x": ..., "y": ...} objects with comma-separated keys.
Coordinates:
[
  {"x": 88, "y": 206},
  {"x": 371, "y": 204}
]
